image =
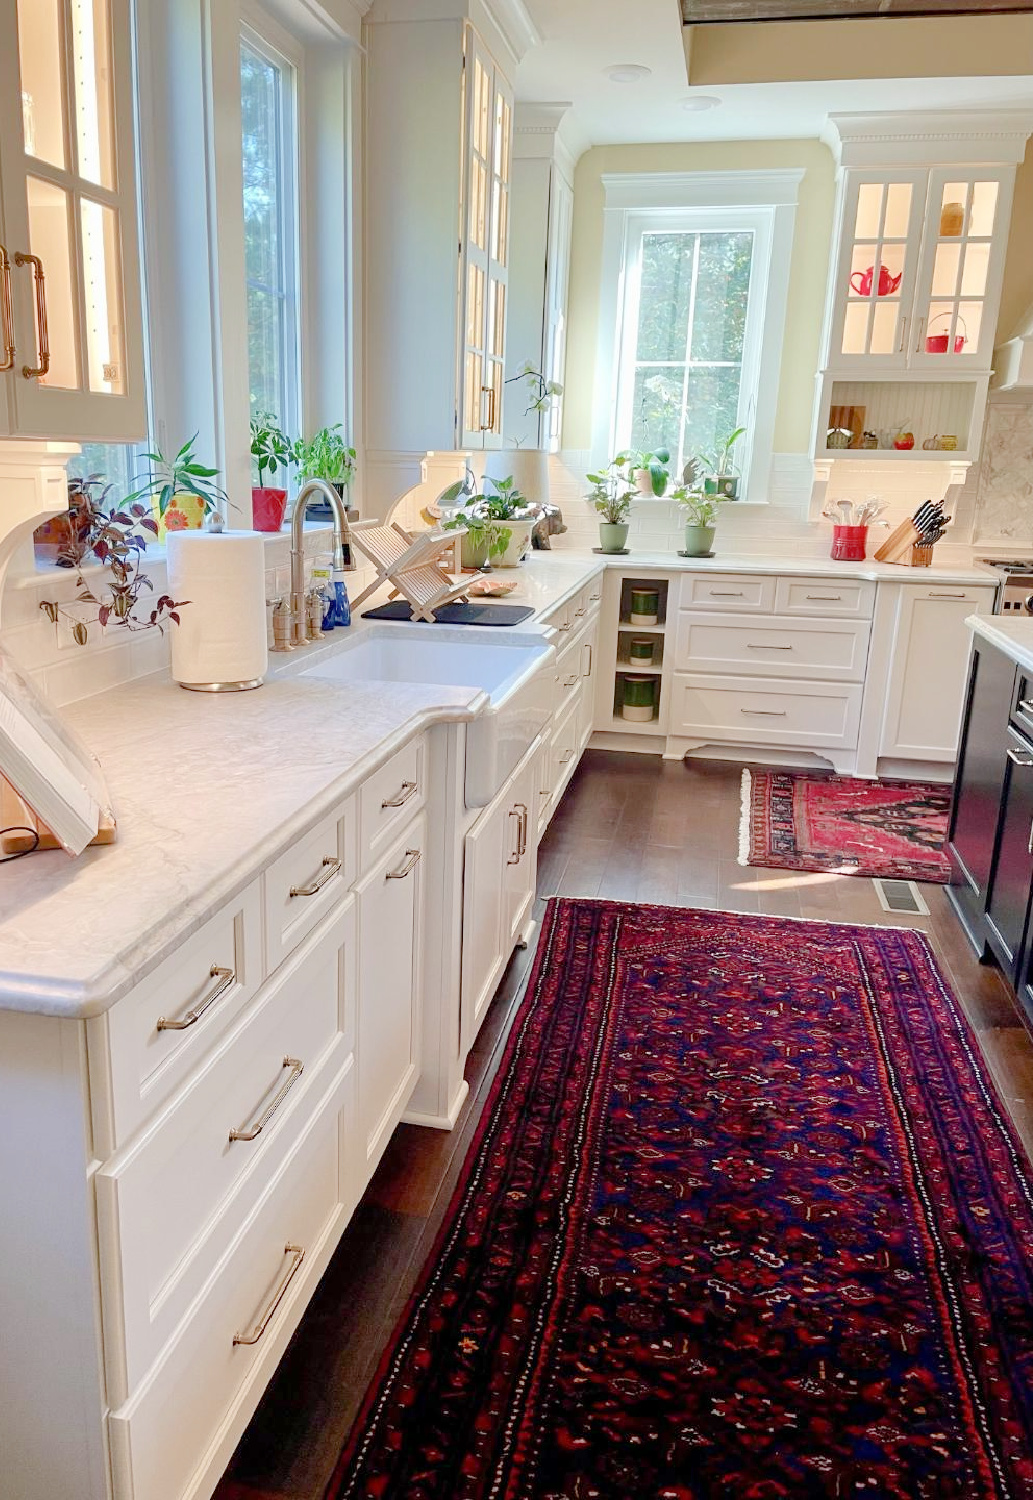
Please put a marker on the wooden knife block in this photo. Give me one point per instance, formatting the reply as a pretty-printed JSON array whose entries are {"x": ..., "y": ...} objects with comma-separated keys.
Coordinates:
[
  {"x": 897, "y": 546},
  {"x": 16, "y": 814}
]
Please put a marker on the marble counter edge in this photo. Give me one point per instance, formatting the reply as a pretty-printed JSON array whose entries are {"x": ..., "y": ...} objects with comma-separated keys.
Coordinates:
[
  {"x": 997, "y": 632},
  {"x": 82, "y": 1001}
]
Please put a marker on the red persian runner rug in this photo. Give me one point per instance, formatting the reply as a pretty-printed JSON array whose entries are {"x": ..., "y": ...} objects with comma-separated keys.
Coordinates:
[
  {"x": 892, "y": 830},
  {"x": 744, "y": 1218}
]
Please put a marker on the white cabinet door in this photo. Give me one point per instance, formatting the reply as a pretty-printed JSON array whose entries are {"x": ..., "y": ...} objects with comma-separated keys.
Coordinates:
[
  {"x": 926, "y": 688},
  {"x": 586, "y": 698},
  {"x": 484, "y": 857},
  {"x": 70, "y": 292},
  {"x": 484, "y": 269},
  {"x": 521, "y": 846},
  {"x": 390, "y": 918},
  {"x": 872, "y": 296}
]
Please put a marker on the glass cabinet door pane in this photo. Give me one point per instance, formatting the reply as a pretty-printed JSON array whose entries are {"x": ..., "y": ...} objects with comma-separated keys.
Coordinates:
[
  {"x": 869, "y": 210},
  {"x": 983, "y": 215},
  {"x": 50, "y": 239},
  {"x": 976, "y": 271},
  {"x": 898, "y": 210},
  {"x": 41, "y": 62},
  {"x": 94, "y": 103},
  {"x": 102, "y": 285}
]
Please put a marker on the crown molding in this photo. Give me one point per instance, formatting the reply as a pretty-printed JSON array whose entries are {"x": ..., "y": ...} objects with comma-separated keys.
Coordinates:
[
  {"x": 515, "y": 23},
  {"x": 929, "y": 138},
  {"x": 636, "y": 190},
  {"x": 540, "y": 132}
]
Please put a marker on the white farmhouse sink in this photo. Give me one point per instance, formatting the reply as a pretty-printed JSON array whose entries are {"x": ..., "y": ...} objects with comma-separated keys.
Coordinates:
[{"x": 506, "y": 663}]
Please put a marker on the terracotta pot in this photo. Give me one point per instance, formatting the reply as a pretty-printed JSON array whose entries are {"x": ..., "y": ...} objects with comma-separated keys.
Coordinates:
[{"x": 267, "y": 507}]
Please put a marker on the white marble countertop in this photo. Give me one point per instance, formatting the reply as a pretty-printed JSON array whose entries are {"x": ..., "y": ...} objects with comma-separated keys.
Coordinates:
[
  {"x": 209, "y": 790},
  {"x": 1013, "y": 636}
]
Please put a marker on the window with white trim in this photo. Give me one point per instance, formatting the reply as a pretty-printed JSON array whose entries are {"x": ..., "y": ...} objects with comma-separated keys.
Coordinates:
[
  {"x": 268, "y": 98},
  {"x": 695, "y": 274}
]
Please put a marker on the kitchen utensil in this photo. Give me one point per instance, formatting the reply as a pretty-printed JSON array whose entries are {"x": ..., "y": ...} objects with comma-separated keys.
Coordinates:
[
  {"x": 846, "y": 512},
  {"x": 848, "y": 419},
  {"x": 952, "y": 220},
  {"x": 849, "y": 543},
  {"x": 938, "y": 343},
  {"x": 863, "y": 281}
]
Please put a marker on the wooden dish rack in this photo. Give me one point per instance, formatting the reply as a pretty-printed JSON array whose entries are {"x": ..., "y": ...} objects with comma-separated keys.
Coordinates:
[{"x": 415, "y": 566}]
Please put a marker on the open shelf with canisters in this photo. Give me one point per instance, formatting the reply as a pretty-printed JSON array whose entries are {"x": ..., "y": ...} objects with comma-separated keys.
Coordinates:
[{"x": 638, "y": 684}]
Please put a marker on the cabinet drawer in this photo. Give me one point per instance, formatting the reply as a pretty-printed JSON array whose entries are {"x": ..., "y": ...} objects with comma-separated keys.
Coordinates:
[
  {"x": 570, "y": 668},
  {"x": 745, "y": 710},
  {"x": 173, "y": 1438},
  {"x": 828, "y": 597},
  {"x": 143, "y": 1048},
  {"x": 389, "y": 798},
  {"x": 563, "y": 751},
  {"x": 306, "y": 882},
  {"x": 728, "y": 591},
  {"x": 1022, "y": 703},
  {"x": 834, "y": 650},
  {"x": 168, "y": 1208}
]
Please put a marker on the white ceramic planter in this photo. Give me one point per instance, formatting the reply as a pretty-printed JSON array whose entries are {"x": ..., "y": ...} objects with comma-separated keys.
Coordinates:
[{"x": 519, "y": 542}]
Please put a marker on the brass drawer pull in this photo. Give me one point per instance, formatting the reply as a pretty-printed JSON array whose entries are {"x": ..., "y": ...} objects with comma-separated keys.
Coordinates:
[
  {"x": 579, "y": 613},
  {"x": 591, "y": 658},
  {"x": 567, "y": 755},
  {"x": 1023, "y": 758},
  {"x": 6, "y": 310},
  {"x": 412, "y": 859},
  {"x": 489, "y": 391},
  {"x": 765, "y": 713},
  {"x": 726, "y": 594},
  {"x": 409, "y": 789},
  {"x": 763, "y": 646},
  {"x": 297, "y": 1255},
  {"x": 331, "y": 865},
  {"x": 934, "y": 595},
  {"x": 594, "y": 598},
  {"x": 522, "y": 830},
  {"x": 570, "y": 681},
  {"x": 823, "y": 598},
  {"x": 514, "y": 858},
  {"x": 225, "y": 977},
  {"x": 297, "y": 1067},
  {"x": 42, "y": 336},
  {"x": 565, "y": 626}
]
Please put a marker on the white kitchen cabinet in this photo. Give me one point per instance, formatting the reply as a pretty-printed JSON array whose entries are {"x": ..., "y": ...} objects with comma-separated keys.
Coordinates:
[
  {"x": 499, "y": 866},
  {"x": 928, "y": 669},
  {"x": 72, "y": 341},
  {"x": 390, "y": 923}
]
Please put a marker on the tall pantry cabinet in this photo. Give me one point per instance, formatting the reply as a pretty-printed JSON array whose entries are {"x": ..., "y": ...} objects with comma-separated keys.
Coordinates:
[{"x": 439, "y": 179}]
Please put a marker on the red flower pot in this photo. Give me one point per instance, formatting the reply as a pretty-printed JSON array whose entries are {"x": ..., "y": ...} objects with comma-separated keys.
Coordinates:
[{"x": 267, "y": 508}]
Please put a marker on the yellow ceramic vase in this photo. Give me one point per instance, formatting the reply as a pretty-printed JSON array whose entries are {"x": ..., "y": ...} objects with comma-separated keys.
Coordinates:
[{"x": 186, "y": 513}]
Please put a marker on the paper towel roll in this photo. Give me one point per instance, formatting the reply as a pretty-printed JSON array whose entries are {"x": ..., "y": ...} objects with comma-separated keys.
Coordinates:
[{"x": 220, "y": 642}]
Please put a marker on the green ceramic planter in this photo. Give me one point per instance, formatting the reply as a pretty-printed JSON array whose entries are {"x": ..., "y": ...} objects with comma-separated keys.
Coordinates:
[
  {"x": 726, "y": 485},
  {"x": 645, "y": 606},
  {"x": 612, "y": 537},
  {"x": 641, "y": 649},
  {"x": 639, "y": 699},
  {"x": 699, "y": 540}
]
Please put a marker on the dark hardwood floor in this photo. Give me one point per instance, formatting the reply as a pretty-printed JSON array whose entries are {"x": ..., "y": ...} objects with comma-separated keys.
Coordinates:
[{"x": 632, "y": 828}]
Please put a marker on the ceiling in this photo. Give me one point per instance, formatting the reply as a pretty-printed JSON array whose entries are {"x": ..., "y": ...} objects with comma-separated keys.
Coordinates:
[
  {"x": 583, "y": 39},
  {"x": 696, "y": 11}
]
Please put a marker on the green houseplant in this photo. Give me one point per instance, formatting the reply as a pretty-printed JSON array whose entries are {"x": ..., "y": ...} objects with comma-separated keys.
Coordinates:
[
  {"x": 722, "y": 477},
  {"x": 181, "y": 491},
  {"x": 611, "y": 494},
  {"x": 649, "y": 472},
  {"x": 326, "y": 456},
  {"x": 700, "y": 519},
  {"x": 271, "y": 449},
  {"x": 498, "y": 521}
]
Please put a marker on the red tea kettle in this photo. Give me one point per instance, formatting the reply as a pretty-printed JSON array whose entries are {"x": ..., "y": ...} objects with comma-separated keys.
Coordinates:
[{"x": 862, "y": 282}]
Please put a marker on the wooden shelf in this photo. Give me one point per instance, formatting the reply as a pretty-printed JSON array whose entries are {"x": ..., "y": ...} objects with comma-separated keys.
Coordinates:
[
  {"x": 636, "y": 726},
  {"x": 642, "y": 629},
  {"x": 638, "y": 668}
]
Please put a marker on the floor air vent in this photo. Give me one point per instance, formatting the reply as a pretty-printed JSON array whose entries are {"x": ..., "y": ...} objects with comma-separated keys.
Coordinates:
[{"x": 901, "y": 897}]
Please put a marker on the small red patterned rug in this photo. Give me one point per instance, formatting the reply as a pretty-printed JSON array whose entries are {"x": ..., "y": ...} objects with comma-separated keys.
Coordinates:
[
  {"x": 800, "y": 820},
  {"x": 745, "y": 1219}
]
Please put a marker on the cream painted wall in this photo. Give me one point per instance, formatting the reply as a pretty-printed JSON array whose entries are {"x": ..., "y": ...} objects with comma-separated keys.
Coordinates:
[
  {"x": 1017, "y": 290},
  {"x": 806, "y": 294}
]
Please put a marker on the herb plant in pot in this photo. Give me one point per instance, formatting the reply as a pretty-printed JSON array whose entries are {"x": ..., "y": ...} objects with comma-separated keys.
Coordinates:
[
  {"x": 722, "y": 477},
  {"x": 326, "y": 456},
  {"x": 270, "y": 450},
  {"x": 700, "y": 519},
  {"x": 181, "y": 491},
  {"x": 611, "y": 494}
]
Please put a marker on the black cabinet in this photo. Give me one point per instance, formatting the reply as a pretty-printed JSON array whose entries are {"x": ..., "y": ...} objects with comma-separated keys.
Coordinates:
[
  {"x": 979, "y": 786},
  {"x": 1007, "y": 904}
]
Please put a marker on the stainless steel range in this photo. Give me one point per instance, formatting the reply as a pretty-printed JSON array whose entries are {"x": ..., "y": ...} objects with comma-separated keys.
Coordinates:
[{"x": 1015, "y": 595}]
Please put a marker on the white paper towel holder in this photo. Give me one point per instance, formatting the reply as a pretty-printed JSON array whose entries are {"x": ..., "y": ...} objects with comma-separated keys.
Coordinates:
[
  {"x": 206, "y": 548},
  {"x": 223, "y": 687}
]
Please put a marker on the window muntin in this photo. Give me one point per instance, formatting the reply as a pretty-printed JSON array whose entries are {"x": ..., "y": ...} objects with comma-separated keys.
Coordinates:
[{"x": 268, "y": 88}]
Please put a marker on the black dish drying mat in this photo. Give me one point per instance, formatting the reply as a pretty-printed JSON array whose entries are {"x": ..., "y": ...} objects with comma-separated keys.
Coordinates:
[{"x": 456, "y": 614}]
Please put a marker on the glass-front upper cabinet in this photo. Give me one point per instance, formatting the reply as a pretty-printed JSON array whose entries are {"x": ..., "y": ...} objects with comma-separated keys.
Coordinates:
[
  {"x": 484, "y": 267},
  {"x": 69, "y": 266},
  {"x": 918, "y": 278},
  {"x": 959, "y": 284}
]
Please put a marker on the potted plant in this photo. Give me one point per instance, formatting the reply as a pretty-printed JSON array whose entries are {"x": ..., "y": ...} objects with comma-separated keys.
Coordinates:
[
  {"x": 700, "y": 519},
  {"x": 649, "y": 472},
  {"x": 326, "y": 456},
  {"x": 722, "y": 477},
  {"x": 182, "y": 492},
  {"x": 611, "y": 494},
  {"x": 498, "y": 521},
  {"x": 270, "y": 448},
  {"x": 541, "y": 393}
]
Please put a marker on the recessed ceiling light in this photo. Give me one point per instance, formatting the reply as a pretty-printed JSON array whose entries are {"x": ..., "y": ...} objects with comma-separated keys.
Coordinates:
[
  {"x": 628, "y": 73},
  {"x": 696, "y": 102}
]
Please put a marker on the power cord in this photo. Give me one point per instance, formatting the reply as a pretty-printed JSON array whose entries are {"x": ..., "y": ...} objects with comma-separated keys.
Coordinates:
[{"x": 20, "y": 828}]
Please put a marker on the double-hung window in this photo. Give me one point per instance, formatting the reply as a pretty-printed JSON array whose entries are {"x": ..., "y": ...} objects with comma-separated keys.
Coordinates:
[
  {"x": 697, "y": 287},
  {"x": 269, "y": 113}
]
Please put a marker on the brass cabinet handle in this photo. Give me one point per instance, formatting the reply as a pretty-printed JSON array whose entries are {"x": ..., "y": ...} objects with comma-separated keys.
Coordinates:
[
  {"x": 297, "y": 1067},
  {"x": 514, "y": 858},
  {"x": 522, "y": 831},
  {"x": 1022, "y": 758},
  {"x": 409, "y": 789},
  {"x": 225, "y": 977},
  {"x": 591, "y": 659},
  {"x": 412, "y": 859},
  {"x": 918, "y": 340},
  {"x": 579, "y": 613},
  {"x": 567, "y": 755},
  {"x": 765, "y": 646},
  {"x": 570, "y": 681},
  {"x": 823, "y": 598},
  {"x": 42, "y": 337},
  {"x": 565, "y": 626},
  {"x": 6, "y": 310},
  {"x": 297, "y": 1255},
  {"x": 489, "y": 391},
  {"x": 903, "y": 334},
  {"x": 765, "y": 713},
  {"x": 329, "y": 870},
  {"x": 727, "y": 594},
  {"x": 934, "y": 595}
]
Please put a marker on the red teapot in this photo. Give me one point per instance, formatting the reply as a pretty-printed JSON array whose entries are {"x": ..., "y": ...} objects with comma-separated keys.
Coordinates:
[{"x": 863, "y": 281}]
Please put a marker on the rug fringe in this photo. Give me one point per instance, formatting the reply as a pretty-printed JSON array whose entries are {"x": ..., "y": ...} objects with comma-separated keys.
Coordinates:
[{"x": 745, "y": 799}]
